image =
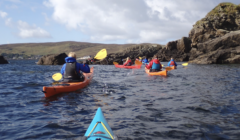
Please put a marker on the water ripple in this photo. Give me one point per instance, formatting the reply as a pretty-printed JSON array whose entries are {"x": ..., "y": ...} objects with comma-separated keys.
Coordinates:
[{"x": 195, "y": 102}]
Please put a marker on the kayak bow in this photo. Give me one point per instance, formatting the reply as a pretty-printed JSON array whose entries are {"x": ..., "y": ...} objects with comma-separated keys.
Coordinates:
[{"x": 99, "y": 128}]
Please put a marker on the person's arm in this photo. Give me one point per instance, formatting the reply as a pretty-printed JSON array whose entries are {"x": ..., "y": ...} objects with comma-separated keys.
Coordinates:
[
  {"x": 63, "y": 69},
  {"x": 175, "y": 63},
  {"x": 126, "y": 62},
  {"x": 169, "y": 63},
  {"x": 149, "y": 66},
  {"x": 83, "y": 67}
]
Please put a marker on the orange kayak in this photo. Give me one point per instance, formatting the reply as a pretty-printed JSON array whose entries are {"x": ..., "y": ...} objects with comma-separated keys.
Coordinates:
[
  {"x": 162, "y": 73},
  {"x": 68, "y": 87},
  {"x": 173, "y": 67}
]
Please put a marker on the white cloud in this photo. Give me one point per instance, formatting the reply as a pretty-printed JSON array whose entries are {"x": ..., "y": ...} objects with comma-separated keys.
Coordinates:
[
  {"x": 28, "y": 31},
  {"x": 9, "y": 22},
  {"x": 3, "y": 14},
  {"x": 132, "y": 21}
]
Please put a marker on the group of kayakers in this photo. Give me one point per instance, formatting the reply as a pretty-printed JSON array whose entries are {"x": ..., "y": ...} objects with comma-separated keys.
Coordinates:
[
  {"x": 72, "y": 70},
  {"x": 154, "y": 65}
]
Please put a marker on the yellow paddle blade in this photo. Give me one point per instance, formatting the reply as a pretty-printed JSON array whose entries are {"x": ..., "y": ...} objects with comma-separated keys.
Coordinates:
[
  {"x": 162, "y": 65},
  {"x": 185, "y": 64},
  {"x": 101, "y": 54},
  {"x": 115, "y": 63},
  {"x": 57, "y": 76},
  {"x": 168, "y": 68},
  {"x": 138, "y": 62},
  {"x": 140, "y": 57}
]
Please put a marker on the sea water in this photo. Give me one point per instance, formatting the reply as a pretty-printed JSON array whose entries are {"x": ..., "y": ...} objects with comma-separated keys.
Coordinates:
[{"x": 197, "y": 102}]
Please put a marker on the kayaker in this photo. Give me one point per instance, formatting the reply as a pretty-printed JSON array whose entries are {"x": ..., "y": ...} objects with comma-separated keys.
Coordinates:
[
  {"x": 128, "y": 62},
  {"x": 72, "y": 70},
  {"x": 172, "y": 63},
  {"x": 145, "y": 60},
  {"x": 140, "y": 59},
  {"x": 154, "y": 65}
]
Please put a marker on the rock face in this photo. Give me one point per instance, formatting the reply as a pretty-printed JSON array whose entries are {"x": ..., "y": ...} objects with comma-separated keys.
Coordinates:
[
  {"x": 178, "y": 49},
  {"x": 3, "y": 60},
  {"x": 221, "y": 50},
  {"x": 216, "y": 38},
  {"x": 52, "y": 59},
  {"x": 132, "y": 52}
]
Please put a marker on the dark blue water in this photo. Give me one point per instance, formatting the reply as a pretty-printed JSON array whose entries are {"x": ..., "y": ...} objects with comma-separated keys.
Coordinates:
[{"x": 197, "y": 102}]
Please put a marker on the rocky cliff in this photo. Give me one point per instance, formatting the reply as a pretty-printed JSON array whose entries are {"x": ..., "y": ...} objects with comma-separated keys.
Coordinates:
[{"x": 215, "y": 39}]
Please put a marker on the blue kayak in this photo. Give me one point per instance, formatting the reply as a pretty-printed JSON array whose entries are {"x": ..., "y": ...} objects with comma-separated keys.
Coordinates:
[{"x": 99, "y": 128}]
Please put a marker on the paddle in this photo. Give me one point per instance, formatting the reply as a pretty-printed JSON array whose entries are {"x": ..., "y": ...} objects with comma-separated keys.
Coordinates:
[
  {"x": 57, "y": 76},
  {"x": 138, "y": 62},
  {"x": 115, "y": 63},
  {"x": 101, "y": 54},
  {"x": 185, "y": 64}
]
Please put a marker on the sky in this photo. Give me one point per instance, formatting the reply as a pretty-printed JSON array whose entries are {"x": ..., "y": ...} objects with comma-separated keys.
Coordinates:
[{"x": 100, "y": 21}]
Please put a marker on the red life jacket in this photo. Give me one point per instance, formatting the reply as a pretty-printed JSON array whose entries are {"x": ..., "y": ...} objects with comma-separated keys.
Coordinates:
[{"x": 172, "y": 63}]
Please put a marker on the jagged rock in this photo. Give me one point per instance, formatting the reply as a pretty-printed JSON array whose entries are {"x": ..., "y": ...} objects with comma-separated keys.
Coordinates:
[
  {"x": 179, "y": 50},
  {"x": 221, "y": 50},
  {"x": 222, "y": 19},
  {"x": 3, "y": 60},
  {"x": 215, "y": 39},
  {"x": 52, "y": 59},
  {"x": 132, "y": 52}
]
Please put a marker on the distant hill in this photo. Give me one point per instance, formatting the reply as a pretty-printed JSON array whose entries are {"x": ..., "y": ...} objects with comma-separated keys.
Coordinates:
[{"x": 81, "y": 48}]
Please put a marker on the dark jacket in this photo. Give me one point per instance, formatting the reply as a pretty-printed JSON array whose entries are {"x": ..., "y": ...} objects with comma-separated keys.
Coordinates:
[
  {"x": 72, "y": 63},
  {"x": 145, "y": 60}
]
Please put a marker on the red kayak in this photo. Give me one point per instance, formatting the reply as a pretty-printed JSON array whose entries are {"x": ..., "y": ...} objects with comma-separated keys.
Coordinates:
[
  {"x": 129, "y": 67},
  {"x": 68, "y": 86}
]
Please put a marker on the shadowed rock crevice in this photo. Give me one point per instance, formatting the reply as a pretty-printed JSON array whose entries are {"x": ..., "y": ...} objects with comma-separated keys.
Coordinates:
[{"x": 3, "y": 60}]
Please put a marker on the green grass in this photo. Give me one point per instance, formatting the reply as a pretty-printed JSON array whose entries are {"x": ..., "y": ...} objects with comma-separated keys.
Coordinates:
[
  {"x": 222, "y": 8},
  {"x": 226, "y": 7},
  {"x": 81, "y": 48}
]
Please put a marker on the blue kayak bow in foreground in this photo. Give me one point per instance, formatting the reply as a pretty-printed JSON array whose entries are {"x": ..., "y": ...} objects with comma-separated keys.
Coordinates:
[{"x": 99, "y": 128}]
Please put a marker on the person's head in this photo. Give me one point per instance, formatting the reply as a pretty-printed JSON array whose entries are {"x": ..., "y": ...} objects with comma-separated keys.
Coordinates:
[
  {"x": 155, "y": 56},
  {"x": 72, "y": 54},
  {"x": 171, "y": 58},
  {"x": 149, "y": 59},
  {"x": 128, "y": 58}
]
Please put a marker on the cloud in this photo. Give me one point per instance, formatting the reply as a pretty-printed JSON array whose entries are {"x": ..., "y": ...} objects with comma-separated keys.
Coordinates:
[
  {"x": 9, "y": 22},
  {"x": 130, "y": 21},
  {"x": 3, "y": 14},
  {"x": 28, "y": 31}
]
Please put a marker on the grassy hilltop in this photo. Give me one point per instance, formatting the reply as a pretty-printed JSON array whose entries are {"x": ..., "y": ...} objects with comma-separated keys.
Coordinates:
[{"x": 81, "y": 48}]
